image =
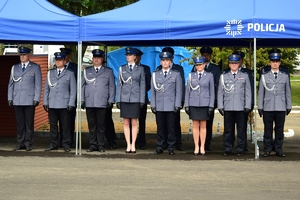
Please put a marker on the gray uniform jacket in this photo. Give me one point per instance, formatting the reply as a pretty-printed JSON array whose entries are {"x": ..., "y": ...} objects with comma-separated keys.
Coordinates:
[
  {"x": 200, "y": 93},
  {"x": 98, "y": 88},
  {"x": 61, "y": 91},
  {"x": 166, "y": 93},
  {"x": 131, "y": 85},
  {"x": 274, "y": 94},
  {"x": 25, "y": 87},
  {"x": 234, "y": 94}
]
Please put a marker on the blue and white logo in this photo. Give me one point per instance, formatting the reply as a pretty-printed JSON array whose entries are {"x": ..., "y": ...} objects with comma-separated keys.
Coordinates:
[{"x": 234, "y": 27}]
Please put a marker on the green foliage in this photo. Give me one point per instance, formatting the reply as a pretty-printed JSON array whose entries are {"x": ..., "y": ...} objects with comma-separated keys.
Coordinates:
[{"x": 295, "y": 93}]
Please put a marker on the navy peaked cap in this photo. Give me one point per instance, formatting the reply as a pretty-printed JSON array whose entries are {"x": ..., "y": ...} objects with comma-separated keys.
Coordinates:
[
  {"x": 240, "y": 53},
  {"x": 206, "y": 50},
  {"x": 98, "y": 53},
  {"x": 234, "y": 58},
  {"x": 60, "y": 55},
  {"x": 199, "y": 60},
  {"x": 66, "y": 50},
  {"x": 274, "y": 51},
  {"x": 168, "y": 49},
  {"x": 24, "y": 50},
  {"x": 130, "y": 50},
  {"x": 165, "y": 54},
  {"x": 274, "y": 56}
]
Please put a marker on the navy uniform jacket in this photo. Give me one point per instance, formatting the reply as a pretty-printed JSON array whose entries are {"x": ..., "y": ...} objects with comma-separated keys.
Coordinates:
[
  {"x": 166, "y": 93},
  {"x": 60, "y": 91},
  {"x": 178, "y": 68},
  {"x": 274, "y": 94},
  {"x": 73, "y": 67},
  {"x": 98, "y": 88},
  {"x": 200, "y": 93},
  {"x": 147, "y": 80},
  {"x": 131, "y": 85},
  {"x": 234, "y": 94},
  {"x": 25, "y": 87},
  {"x": 215, "y": 70}
]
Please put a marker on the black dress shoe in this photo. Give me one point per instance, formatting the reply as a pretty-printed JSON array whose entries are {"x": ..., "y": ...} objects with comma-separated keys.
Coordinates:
[
  {"x": 179, "y": 148},
  {"x": 112, "y": 146},
  {"x": 73, "y": 146},
  {"x": 208, "y": 148},
  {"x": 51, "y": 148},
  {"x": 142, "y": 148},
  {"x": 101, "y": 149},
  {"x": 67, "y": 149},
  {"x": 158, "y": 151},
  {"x": 90, "y": 150},
  {"x": 280, "y": 154},
  {"x": 226, "y": 153},
  {"x": 266, "y": 154},
  {"x": 128, "y": 151},
  {"x": 171, "y": 152},
  {"x": 133, "y": 151},
  {"x": 19, "y": 147},
  {"x": 246, "y": 149},
  {"x": 28, "y": 148},
  {"x": 239, "y": 153}
]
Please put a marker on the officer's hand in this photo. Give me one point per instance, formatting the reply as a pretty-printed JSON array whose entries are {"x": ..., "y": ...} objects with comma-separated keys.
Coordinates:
[
  {"x": 70, "y": 108},
  {"x": 35, "y": 103},
  {"x": 142, "y": 105},
  {"x": 118, "y": 105},
  {"x": 221, "y": 111},
  {"x": 10, "y": 103},
  {"x": 288, "y": 111},
  {"x": 187, "y": 110},
  {"x": 46, "y": 107},
  {"x": 153, "y": 109},
  {"x": 247, "y": 110},
  {"x": 82, "y": 105},
  {"x": 260, "y": 112},
  {"x": 109, "y": 105},
  {"x": 210, "y": 111},
  {"x": 176, "y": 109}
]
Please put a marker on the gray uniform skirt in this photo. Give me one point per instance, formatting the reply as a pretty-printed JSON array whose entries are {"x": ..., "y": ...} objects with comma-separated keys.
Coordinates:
[
  {"x": 199, "y": 113},
  {"x": 130, "y": 110}
]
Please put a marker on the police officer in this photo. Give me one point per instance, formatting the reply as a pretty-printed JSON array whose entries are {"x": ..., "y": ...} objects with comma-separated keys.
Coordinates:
[
  {"x": 97, "y": 94},
  {"x": 274, "y": 103},
  {"x": 73, "y": 67},
  {"x": 24, "y": 91},
  {"x": 59, "y": 101},
  {"x": 166, "y": 99},
  {"x": 234, "y": 100},
  {"x": 199, "y": 101},
  {"x": 141, "y": 138},
  {"x": 130, "y": 96},
  {"x": 178, "y": 144},
  {"x": 215, "y": 70}
]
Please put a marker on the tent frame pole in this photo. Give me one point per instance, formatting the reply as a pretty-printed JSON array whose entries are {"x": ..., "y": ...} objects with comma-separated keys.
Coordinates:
[{"x": 78, "y": 110}]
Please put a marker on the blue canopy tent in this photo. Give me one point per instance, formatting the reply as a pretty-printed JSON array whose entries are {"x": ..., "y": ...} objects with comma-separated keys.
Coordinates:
[{"x": 36, "y": 20}]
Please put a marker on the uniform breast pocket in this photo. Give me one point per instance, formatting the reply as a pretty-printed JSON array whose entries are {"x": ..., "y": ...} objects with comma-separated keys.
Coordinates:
[
  {"x": 241, "y": 82},
  {"x": 104, "y": 80},
  {"x": 29, "y": 76}
]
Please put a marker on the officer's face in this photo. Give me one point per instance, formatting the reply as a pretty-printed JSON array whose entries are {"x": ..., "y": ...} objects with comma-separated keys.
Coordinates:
[
  {"x": 130, "y": 58},
  {"x": 165, "y": 63},
  {"x": 274, "y": 64},
  {"x": 234, "y": 66},
  {"x": 200, "y": 67},
  {"x": 97, "y": 61},
  {"x": 24, "y": 58},
  {"x": 207, "y": 56},
  {"x": 60, "y": 63}
]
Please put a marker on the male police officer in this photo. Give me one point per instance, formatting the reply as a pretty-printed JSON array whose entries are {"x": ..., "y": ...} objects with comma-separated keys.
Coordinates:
[
  {"x": 274, "y": 103},
  {"x": 24, "y": 92},
  {"x": 178, "y": 144},
  {"x": 166, "y": 99},
  {"x": 215, "y": 70},
  {"x": 59, "y": 101},
  {"x": 234, "y": 100},
  {"x": 141, "y": 139},
  {"x": 73, "y": 67},
  {"x": 97, "y": 94}
]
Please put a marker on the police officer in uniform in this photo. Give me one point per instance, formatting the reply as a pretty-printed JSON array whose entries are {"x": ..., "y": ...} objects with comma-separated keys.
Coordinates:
[
  {"x": 24, "y": 92},
  {"x": 141, "y": 138},
  {"x": 73, "y": 67},
  {"x": 166, "y": 99},
  {"x": 176, "y": 67},
  {"x": 97, "y": 94},
  {"x": 274, "y": 103},
  {"x": 59, "y": 101},
  {"x": 234, "y": 102},
  {"x": 215, "y": 70}
]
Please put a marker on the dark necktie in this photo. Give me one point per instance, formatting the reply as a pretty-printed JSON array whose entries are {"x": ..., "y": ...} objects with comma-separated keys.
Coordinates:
[
  {"x": 166, "y": 74},
  {"x": 275, "y": 74},
  {"x": 130, "y": 67},
  {"x": 97, "y": 70},
  {"x": 58, "y": 72},
  {"x": 23, "y": 68},
  {"x": 234, "y": 75},
  {"x": 200, "y": 75}
]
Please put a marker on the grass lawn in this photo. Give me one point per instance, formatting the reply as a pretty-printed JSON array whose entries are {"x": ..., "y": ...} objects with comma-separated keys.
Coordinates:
[{"x": 295, "y": 93}]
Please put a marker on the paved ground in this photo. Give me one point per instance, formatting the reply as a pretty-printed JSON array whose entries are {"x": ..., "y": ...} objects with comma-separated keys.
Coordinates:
[{"x": 116, "y": 175}]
